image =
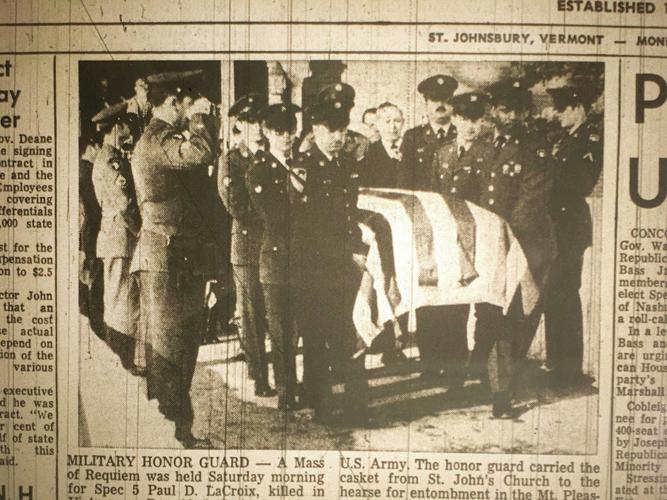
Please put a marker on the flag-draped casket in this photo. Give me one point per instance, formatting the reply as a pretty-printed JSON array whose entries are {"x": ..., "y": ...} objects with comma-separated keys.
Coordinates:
[{"x": 426, "y": 249}]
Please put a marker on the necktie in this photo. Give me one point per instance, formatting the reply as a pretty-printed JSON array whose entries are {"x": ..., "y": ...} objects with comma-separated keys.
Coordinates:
[
  {"x": 395, "y": 152},
  {"x": 462, "y": 151},
  {"x": 500, "y": 141},
  {"x": 441, "y": 135}
]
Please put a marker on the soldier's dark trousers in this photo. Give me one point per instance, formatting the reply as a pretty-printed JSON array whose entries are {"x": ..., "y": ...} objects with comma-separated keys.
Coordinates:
[
  {"x": 91, "y": 302},
  {"x": 563, "y": 314},
  {"x": 173, "y": 326},
  {"x": 250, "y": 306},
  {"x": 324, "y": 318},
  {"x": 279, "y": 305},
  {"x": 442, "y": 341},
  {"x": 493, "y": 346}
]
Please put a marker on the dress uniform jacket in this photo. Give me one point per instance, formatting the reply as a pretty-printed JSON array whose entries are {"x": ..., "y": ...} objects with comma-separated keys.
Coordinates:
[
  {"x": 246, "y": 239},
  {"x": 577, "y": 168},
  {"x": 169, "y": 217},
  {"x": 379, "y": 169},
  {"x": 456, "y": 174},
  {"x": 324, "y": 240},
  {"x": 517, "y": 186},
  {"x": 417, "y": 150},
  {"x": 114, "y": 188},
  {"x": 281, "y": 207},
  {"x": 246, "y": 225},
  {"x": 279, "y": 204},
  {"x": 119, "y": 227},
  {"x": 166, "y": 255},
  {"x": 328, "y": 234}
]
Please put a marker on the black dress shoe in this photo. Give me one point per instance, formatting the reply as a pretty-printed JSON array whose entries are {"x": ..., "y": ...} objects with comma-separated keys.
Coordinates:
[
  {"x": 502, "y": 406},
  {"x": 393, "y": 357},
  {"x": 264, "y": 391},
  {"x": 190, "y": 442}
]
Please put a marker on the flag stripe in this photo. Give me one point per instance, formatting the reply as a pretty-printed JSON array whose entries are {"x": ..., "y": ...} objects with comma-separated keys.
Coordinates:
[{"x": 422, "y": 234}]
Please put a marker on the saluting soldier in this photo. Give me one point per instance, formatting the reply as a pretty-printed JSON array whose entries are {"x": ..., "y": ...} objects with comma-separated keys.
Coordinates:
[
  {"x": 119, "y": 228},
  {"x": 277, "y": 194},
  {"x": 325, "y": 241},
  {"x": 246, "y": 236},
  {"x": 517, "y": 186},
  {"x": 421, "y": 142},
  {"x": 167, "y": 256},
  {"x": 577, "y": 167},
  {"x": 457, "y": 167}
]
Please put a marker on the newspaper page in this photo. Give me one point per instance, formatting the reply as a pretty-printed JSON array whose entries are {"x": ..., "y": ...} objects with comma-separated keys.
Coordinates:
[{"x": 309, "y": 249}]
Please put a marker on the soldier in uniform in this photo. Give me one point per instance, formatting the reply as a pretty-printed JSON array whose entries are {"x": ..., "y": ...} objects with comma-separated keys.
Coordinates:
[
  {"x": 516, "y": 186},
  {"x": 276, "y": 193},
  {"x": 456, "y": 168},
  {"x": 246, "y": 237},
  {"x": 325, "y": 241},
  {"x": 577, "y": 167},
  {"x": 421, "y": 142},
  {"x": 91, "y": 276},
  {"x": 167, "y": 257},
  {"x": 119, "y": 227}
]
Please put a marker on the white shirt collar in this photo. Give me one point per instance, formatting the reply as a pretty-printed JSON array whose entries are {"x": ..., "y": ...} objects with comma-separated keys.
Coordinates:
[{"x": 388, "y": 145}]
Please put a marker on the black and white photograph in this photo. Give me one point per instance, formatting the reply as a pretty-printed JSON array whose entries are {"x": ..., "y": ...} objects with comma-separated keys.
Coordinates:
[{"x": 340, "y": 255}]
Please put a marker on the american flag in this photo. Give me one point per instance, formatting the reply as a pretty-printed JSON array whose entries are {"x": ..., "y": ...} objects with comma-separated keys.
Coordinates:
[{"x": 426, "y": 249}]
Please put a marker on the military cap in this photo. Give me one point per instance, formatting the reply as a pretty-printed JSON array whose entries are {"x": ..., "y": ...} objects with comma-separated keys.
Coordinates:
[
  {"x": 438, "y": 87},
  {"x": 248, "y": 107},
  {"x": 116, "y": 113},
  {"x": 333, "y": 105},
  {"x": 571, "y": 96},
  {"x": 320, "y": 66},
  {"x": 280, "y": 117},
  {"x": 172, "y": 77},
  {"x": 512, "y": 93},
  {"x": 337, "y": 95},
  {"x": 471, "y": 105}
]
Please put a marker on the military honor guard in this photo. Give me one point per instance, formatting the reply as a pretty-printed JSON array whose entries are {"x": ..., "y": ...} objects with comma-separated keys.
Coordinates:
[
  {"x": 577, "y": 158},
  {"x": 167, "y": 257},
  {"x": 421, "y": 142},
  {"x": 325, "y": 241},
  {"x": 277, "y": 194},
  {"x": 119, "y": 228},
  {"x": 518, "y": 188},
  {"x": 246, "y": 235},
  {"x": 456, "y": 168},
  {"x": 383, "y": 158}
]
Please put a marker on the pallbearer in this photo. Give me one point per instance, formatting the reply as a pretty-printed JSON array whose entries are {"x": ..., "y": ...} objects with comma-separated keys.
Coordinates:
[
  {"x": 325, "y": 240},
  {"x": 577, "y": 166},
  {"x": 517, "y": 186},
  {"x": 246, "y": 236},
  {"x": 168, "y": 257},
  {"x": 277, "y": 194},
  {"x": 119, "y": 228},
  {"x": 457, "y": 167}
]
